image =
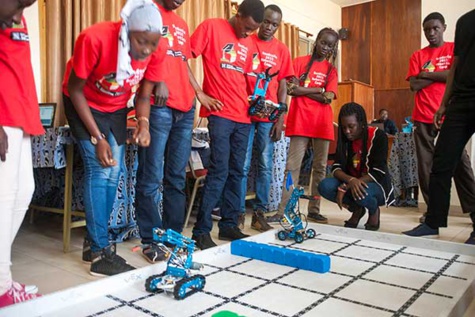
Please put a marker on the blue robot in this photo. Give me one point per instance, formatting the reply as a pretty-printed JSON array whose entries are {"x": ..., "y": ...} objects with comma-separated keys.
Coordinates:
[
  {"x": 291, "y": 222},
  {"x": 261, "y": 107},
  {"x": 177, "y": 278}
]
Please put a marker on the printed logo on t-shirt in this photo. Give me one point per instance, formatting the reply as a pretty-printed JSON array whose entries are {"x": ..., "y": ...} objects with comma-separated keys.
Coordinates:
[
  {"x": 179, "y": 36},
  {"x": 268, "y": 59},
  {"x": 317, "y": 78},
  {"x": 255, "y": 61},
  {"x": 443, "y": 62},
  {"x": 428, "y": 66},
  {"x": 167, "y": 35},
  {"x": 20, "y": 36},
  {"x": 229, "y": 57},
  {"x": 229, "y": 53},
  {"x": 109, "y": 86}
]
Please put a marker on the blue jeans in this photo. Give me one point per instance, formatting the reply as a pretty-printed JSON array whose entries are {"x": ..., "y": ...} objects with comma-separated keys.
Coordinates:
[
  {"x": 100, "y": 187},
  {"x": 228, "y": 143},
  {"x": 328, "y": 188},
  {"x": 264, "y": 150},
  {"x": 163, "y": 163}
]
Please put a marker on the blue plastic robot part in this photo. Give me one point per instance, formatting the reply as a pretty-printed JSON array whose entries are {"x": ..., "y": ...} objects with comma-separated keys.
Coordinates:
[
  {"x": 261, "y": 107},
  {"x": 177, "y": 278},
  {"x": 319, "y": 263},
  {"x": 292, "y": 224}
]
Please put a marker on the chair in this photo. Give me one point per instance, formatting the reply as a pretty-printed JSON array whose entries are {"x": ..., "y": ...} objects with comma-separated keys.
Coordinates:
[{"x": 198, "y": 177}]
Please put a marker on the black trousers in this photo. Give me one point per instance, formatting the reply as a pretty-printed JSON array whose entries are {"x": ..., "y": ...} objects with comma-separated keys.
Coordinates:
[{"x": 458, "y": 128}]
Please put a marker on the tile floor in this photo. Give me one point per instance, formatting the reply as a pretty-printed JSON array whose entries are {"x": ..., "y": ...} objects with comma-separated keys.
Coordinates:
[{"x": 38, "y": 258}]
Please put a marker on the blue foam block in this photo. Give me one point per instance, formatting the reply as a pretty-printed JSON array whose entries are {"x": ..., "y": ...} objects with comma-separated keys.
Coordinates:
[{"x": 319, "y": 263}]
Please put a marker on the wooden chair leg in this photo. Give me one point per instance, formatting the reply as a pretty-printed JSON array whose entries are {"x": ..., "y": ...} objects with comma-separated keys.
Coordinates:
[{"x": 192, "y": 200}]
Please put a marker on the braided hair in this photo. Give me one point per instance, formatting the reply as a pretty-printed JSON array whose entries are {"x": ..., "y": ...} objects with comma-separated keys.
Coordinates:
[
  {"x": 331, "y": 57},
  {"x": 344, "y": 152}
]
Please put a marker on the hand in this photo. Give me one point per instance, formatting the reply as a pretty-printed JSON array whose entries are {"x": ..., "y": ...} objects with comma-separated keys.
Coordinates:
[
  {"x": 277, "y": 128},
  {"x": 161, "y": 94},
  {"x": 3, "y": 144},
  {"x": 439, "y": 114},
  {"x": 422, "y": 75},
  {"x": 357, "y": 188},
  {"x": 141, "y": 136},
  {"x": 208, "y": 102},
  {"x": 339, "y": 199},
  {"x": 104, "y": 154}
]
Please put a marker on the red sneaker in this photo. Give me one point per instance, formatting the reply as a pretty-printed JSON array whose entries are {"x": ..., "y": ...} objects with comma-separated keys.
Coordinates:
[{"x": 16, "y": 294}]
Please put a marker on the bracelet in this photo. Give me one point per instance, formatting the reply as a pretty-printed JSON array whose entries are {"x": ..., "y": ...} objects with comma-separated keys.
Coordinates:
[
  {"x": 143, "y": 119},
  {"x": 341, "y": 190},
  {"x": 350, "y": 180},
  {"x": 323, "y": 90}
]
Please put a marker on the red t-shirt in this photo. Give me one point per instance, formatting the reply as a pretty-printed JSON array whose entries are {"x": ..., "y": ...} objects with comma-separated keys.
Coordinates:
[
  {"x": 226, "y": 60},
  {"x": 307, "y": 117},
  {"x": 276, "y": 55},
  {"x": 175, "y": 43},
  {"x": 18, "y": 99},
  {"x": 429, "y": 59},
  {"x": 357, "y": 147},
  {"x": 95, "y": 60}
]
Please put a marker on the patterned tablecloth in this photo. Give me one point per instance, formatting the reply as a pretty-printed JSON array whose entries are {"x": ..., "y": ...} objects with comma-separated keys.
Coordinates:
[
  {"x": 49, "y": 160},
  {"x": 403, "y": 168}
]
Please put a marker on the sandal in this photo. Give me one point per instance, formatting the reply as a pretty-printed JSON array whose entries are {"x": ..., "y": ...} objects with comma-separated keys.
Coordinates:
[{"x": 360, "y": 212}]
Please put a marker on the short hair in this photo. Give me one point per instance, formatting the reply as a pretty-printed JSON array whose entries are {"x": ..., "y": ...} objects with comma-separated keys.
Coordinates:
[
  {"x": 380, "y": 111},
  {"x": 274, "y": 8},
  {"x": 252, "y": 8},
  {"x": 434, "y": 16}
]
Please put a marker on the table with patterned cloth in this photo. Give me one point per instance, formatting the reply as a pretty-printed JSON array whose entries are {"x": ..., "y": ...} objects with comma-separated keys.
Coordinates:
[
  {"x": 403, "y": 168},
  {"x": 49, "y": 162}
]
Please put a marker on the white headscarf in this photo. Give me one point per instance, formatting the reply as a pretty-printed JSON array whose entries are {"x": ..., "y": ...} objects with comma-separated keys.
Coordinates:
[{"x": 137, "y": 15}]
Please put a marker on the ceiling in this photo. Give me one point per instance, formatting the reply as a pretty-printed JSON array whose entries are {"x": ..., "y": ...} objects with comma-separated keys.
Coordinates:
[{"x": 346, "y": 3}]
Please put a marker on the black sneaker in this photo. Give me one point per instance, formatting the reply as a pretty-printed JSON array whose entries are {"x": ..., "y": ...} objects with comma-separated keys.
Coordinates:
[
  {"x": 203, "y": 241},
  {"x": 87, "y": 252},
  {"x": 317, "y": 218},
  {"x": 106, "y": 263},
  {"x": 231, "y": 234},
  {"x": 155, "y": 252}
]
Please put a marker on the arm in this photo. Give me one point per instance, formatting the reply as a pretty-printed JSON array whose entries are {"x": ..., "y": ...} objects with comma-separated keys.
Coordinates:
[
  {"x": 276, "y": 132},
  {"x": 206, "y": 101},
  {"x": 447, "y": 94},
  {"x": 76, "y": 93},
  {"x": 142, "y": 112},
  {"x": 3, "y": 144},
  {"x": 434, "y": 76},
  {"x": 417, "y": 84}
]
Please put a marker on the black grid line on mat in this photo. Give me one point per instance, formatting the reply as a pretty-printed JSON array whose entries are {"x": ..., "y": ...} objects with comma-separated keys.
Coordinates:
[{"x": 325, "y": 296}]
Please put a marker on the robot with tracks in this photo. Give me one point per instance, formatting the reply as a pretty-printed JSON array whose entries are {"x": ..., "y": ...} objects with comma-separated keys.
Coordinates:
[{"x": 177, "y": 278}]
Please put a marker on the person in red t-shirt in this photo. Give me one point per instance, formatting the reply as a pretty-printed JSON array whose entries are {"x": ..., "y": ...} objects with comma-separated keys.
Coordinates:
[
  {"x": 110, "y": 59},
  {"x": 310, "y": 117},
  {"x": 164, "y": 162},
  {"x": 275, "y": 55},
  {"x": 427, "y": 75},
  {"x": 360, "y": 173},
  {"x": 227, "y": 53},
  {"x": 19, "y": 119}
]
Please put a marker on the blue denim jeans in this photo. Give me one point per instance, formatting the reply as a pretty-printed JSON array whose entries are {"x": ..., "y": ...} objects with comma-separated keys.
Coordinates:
[
  {"x": 163, "y": 163},
  {"x": 328, "y": 188},
  {"x": 260, "y": 137},
  {"x": 100, "y": 187},
  {"x": 228, "y": 143}
]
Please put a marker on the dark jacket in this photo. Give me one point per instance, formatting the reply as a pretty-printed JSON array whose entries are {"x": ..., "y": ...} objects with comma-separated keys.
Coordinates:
[
  {"x": 389, "y": 126},
  {"x": 376, "y": 161}
]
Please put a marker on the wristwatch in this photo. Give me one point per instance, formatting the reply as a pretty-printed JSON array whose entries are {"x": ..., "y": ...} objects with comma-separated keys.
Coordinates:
[{"x": 94, "y": 139}]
